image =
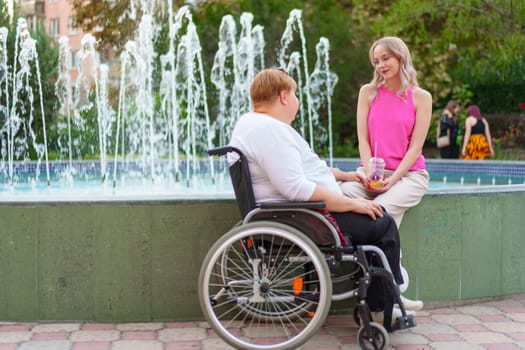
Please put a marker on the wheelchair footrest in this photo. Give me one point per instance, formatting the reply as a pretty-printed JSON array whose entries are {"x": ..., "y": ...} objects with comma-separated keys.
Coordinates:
[{"x": 404, "y": 322}]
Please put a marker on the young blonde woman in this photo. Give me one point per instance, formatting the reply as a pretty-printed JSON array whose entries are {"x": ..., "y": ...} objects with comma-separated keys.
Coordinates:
[{"x": 393, "y": 117}]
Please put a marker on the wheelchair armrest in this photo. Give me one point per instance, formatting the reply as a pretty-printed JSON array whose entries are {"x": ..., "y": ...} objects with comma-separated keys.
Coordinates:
[{"x": 292, "y": 205}]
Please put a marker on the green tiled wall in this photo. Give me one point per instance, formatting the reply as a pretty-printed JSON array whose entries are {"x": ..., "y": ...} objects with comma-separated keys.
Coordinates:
[{"x": 139, "y": 261}]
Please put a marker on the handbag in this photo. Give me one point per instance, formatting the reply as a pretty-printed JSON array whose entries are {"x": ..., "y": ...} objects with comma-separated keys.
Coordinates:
[{"x": 443, "y": 141}]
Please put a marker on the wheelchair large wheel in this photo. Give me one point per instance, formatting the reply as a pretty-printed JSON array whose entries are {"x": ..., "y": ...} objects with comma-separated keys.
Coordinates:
[
  {"x": 292, "y": 311},
  {"x": 265, "y": 285}
]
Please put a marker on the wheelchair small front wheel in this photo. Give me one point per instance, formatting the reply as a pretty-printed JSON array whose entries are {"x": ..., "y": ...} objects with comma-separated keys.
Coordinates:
[
  {"x": 265, "y": 286},
  {"x": 376, "y": 338}
]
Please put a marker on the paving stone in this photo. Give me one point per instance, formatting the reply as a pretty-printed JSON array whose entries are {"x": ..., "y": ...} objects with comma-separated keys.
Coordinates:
[
  {"x": 479, "y": 310},
  {"x": 513, "y": 309},
  {"x": 456, "y": 346},
  {"x": 50, "y": 336},
  {"x": 184, "y": 345},
  {"x": 186, "y": 325},
  {"x": 215, "y": 344},
  {"x": 516, "y": 317},
  {"x": 14, "y": 337},
  {"x": 137, "y": 345},
  {"x": 517, "y": 336},
  {"x": 454, "y": 319},
  {"x": 338, "y": 330},
  {"x": 318, "y": 341},
  {"x": 93, "y": 345},
  {"x": 97, "y": 326},
  {"x": 444, "y": 337},
  {"x": 505, "y": 327},
  {"x": 15, "y": 328},
  {"x": 470, "y": 328},
  {"x": 139, "y": 326},
  {"x": 434, "y": 328},
  {"x": 8, "y": 346},
  {"x": 443, "y": 311},
  {"x": 493, "y": 318},
  {"x": 181, "y": 334},
  {"x": 407, "y": 339},
  {"x": 138, "y": 335},
  {"x": 46, "y": 345},
  {"x": 99, "y": 335},
  {"x": 485, "y": 337},
  {"x": 56, "y": 327},
  {"x": 502, "y": 346},
  {"x": 350, "y": 347}
]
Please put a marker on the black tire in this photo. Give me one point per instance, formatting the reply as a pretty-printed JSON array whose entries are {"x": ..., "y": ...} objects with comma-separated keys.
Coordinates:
[
  {"x": 252, "y": 287},
  {"x": 376, "y": 339}
]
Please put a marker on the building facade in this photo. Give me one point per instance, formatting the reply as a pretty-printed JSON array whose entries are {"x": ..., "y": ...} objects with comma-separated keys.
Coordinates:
[{"x": 58, "y": 19}]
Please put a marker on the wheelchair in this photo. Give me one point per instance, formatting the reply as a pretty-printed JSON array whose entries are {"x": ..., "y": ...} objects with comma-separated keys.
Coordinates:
[{"x": 268, "y": 283}]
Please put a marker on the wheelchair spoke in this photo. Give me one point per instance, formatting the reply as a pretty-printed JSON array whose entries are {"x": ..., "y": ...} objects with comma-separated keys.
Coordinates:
[{"x": 265, "y": 287}]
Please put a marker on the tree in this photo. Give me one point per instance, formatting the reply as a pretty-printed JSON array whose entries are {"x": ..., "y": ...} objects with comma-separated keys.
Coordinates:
[
  {"x": 455, "y": 42},
  {"x": 113, "y": 22}
]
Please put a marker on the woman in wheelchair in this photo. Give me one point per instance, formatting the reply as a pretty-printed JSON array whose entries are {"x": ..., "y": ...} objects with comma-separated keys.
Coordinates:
[
  {"x": 283, "y": 167},
  {"x": 267, "y": 283}
]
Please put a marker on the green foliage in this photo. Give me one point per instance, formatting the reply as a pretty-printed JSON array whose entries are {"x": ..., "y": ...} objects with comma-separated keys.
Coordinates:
[
  {"x": 468, "y": 50},
  {"x": 449, "y": 38}
]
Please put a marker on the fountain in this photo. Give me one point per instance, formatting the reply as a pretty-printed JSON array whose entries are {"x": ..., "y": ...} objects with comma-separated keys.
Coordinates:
[{"x": 160, "y": 130}]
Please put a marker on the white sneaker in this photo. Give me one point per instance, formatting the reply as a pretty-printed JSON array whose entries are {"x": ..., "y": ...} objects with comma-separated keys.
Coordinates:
[
  {"x": 396, "y": 312},
  {"x": 413, "y": 305}
]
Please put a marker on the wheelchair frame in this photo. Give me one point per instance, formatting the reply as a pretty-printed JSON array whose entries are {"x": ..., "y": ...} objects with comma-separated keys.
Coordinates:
[{"x": 267, "y": 284}]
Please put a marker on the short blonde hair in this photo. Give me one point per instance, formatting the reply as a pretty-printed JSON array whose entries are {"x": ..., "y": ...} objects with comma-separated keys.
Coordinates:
[{"x": 268, "y": 84}]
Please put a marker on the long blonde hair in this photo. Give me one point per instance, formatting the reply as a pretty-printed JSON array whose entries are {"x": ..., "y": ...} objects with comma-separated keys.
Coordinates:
[{"x": 407, "y": 72}]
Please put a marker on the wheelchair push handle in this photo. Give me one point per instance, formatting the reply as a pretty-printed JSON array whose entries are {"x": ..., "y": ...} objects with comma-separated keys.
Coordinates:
[{"x": 220, "y": 151}]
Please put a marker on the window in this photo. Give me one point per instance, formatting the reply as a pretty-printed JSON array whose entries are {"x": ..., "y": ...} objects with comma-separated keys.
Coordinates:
[
  {"x": 54, "y": 29},
  {"x": 72, "y": 25},
  {"x": 74, "y": 60},
  {"x": 30, "y": 20}
]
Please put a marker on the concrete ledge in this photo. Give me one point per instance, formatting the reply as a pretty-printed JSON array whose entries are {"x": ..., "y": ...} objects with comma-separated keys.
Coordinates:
[{"x": 139, "y": 260}]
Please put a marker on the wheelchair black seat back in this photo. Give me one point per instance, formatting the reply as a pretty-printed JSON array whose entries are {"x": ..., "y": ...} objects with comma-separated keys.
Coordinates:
[
  {"x": 304, "y": 216},
  {"x": 267, "y": 283}
]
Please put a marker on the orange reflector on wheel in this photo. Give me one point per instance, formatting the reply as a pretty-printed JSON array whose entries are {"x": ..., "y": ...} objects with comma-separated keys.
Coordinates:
[
  {"x": 311, "y": 314},
  {"x": 297, "y": 285},
  {"x": 249, "y": 243}
]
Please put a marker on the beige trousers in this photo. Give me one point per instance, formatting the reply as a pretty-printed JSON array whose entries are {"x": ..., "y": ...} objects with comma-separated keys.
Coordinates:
[{"x": 405, "y": 194}]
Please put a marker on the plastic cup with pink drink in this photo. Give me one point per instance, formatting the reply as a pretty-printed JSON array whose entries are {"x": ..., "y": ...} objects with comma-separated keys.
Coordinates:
[{"x": 377, "y": 172}]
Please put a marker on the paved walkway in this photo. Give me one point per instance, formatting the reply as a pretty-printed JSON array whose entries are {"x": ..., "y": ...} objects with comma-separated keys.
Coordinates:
[{"x": 494, "y": 325}]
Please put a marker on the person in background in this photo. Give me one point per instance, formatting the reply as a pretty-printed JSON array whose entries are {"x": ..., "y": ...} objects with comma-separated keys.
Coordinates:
[
  {"x": 393, "y": 118},
  {"x": 283, "y": 167},
  {"x": 449, "y": 123},
  {"x": 478, "y": 142}
]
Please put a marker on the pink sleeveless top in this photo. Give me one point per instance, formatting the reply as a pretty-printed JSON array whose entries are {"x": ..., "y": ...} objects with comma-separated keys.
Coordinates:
[{"x": 391, "y": 121}]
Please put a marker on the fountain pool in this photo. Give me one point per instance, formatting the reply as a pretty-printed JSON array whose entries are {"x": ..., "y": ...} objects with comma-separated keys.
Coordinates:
[{"x": 84, "y": 183}]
